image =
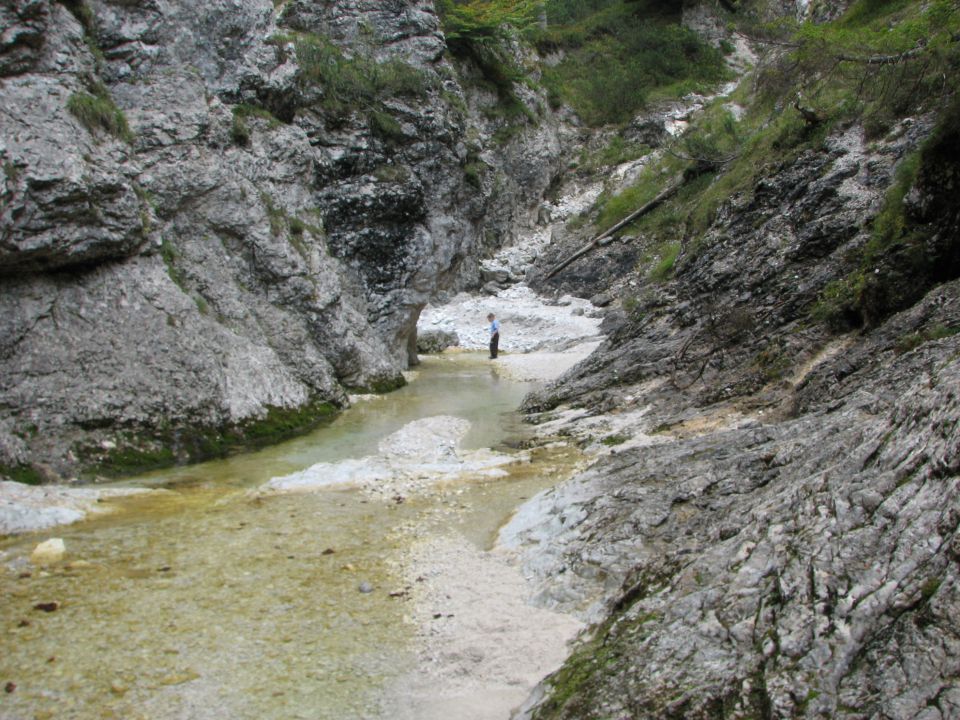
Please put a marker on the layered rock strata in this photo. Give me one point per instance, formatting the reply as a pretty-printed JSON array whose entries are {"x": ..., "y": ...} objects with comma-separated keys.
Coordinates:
[{"x": 772, "y": 531}]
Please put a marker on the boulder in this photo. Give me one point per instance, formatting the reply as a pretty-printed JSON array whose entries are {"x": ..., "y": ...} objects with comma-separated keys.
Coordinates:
[{"x": 432, "y": 342}]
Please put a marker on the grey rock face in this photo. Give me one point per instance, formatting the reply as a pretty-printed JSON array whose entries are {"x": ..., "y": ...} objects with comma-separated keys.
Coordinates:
[
  {"x": 407, "y": 28},
  {"x": 801, "y": 569},
  {"x": 740, "y": 302},
  {"x": 24, "y": 24},
  {"x": 65, "y": 205},
  {"x": 432, "y": 342},
  {"x": 250, "y": 247},
  {"x": 782, "y": 544}
]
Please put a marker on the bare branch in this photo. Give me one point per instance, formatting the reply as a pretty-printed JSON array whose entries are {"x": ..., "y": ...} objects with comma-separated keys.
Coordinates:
[
  {"x": 599, "y": 239},
  {"x": 883, "y": 59}
]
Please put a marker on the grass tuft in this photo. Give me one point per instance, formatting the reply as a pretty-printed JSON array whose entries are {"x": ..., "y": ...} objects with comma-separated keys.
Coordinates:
[{"x": 96, "y": 111}]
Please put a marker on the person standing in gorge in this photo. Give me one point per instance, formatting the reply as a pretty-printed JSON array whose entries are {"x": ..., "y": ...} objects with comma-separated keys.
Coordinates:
[{"x": 494, "y": 335}]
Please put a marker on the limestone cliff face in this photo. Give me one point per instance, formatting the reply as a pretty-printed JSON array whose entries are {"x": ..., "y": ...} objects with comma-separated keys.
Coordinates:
[
  {"x": 776, "y": 535},
  {"x": 252, "y": 242}
]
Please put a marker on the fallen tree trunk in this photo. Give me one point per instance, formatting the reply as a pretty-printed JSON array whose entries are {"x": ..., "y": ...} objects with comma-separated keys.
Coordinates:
[{"x": 598, "y": 240}]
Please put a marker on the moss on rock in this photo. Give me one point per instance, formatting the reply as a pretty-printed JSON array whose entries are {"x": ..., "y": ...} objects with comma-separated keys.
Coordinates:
[
  {"x": 25, "y": 474},
  {"x": 141, "y": 451}
]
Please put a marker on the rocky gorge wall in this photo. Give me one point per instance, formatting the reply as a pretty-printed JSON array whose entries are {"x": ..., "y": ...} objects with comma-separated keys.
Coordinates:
[
  {"x": 218, "y": 218},
  {"x": 772, "y": 529}
]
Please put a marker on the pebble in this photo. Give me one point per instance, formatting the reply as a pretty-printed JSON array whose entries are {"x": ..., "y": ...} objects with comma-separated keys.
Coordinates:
[
  {"x": 118, "y": 687},
  {"x": 49, "y": 551},
  {"x": 365, "y": 588}
]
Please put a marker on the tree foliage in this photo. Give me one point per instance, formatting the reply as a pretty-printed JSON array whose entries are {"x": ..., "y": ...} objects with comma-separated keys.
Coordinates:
[
  {"x": 883, "y": 60},
  {"x": 617, "y": 58}
]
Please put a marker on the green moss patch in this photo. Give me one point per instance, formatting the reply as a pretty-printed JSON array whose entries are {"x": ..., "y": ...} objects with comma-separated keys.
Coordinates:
[
  {"x": 142, "y": 451},
  {"x": 242, "y": 114},
  {"x": 383, "y": 384},
  {"x": 21, "y": 474}
]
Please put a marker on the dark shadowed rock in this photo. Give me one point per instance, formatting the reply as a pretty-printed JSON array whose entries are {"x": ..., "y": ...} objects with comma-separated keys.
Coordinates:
[{"x": 431, "y": 342}]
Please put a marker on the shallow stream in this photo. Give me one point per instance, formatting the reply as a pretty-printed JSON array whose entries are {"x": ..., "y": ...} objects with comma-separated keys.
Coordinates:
[{"x": 206, "y": 601}]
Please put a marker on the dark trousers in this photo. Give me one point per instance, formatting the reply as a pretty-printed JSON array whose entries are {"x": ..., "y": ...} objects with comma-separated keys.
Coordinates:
[{"x": 494, "y": 342}]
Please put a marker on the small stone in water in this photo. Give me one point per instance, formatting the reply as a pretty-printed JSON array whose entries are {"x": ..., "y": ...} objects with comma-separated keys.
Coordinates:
[
  {"x": 117, "y": 687},
  {"x": 365, "y": 588},
  {"x": 328, "y": 551},
  {"x": 47, "y": 606},
  {"x": 9, "y": 687},
  {"x": 49, "y": 551}
]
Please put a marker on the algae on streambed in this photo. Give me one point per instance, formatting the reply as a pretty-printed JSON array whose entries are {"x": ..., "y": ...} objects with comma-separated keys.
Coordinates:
[{"x": 203, "y": 601}]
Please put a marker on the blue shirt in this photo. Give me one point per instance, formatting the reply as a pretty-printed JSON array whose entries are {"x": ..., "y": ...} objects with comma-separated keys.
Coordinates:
[{"x": 494, "y": 327}]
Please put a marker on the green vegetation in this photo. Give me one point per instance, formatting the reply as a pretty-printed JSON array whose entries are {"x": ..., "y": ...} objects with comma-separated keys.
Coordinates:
[
  {"x": 384, "y": 126},
  {"x": 915, "y": 340},
  {"x": 668, "y": 257},
  {"x": 480, "y": 32},
  {"x": 130, "y": 460},
  {"x": 383, "y": 384},
  {"x": 97, "y": 111},
  {"x": 901, "y": 260},
  {"x": 342, "y": 85},
  {"x": 170, "y": 254},
  {"x": 573, "y": 688},
  {"x": 22, "y": 474},
  {"x": 883, "y": 60},
  {"x": 474, "y": 172},
  {"x": 475, "y": 169},
  {"x": 242, "y": 113},
  {"x": 930, "y": 587},
  {"x": 773, "y": 362},
  {"x": 281, "y": 423},
  {"x": 82, "y": 12},
  {"x": 352, "y": 83},
  {"x": 295, "y": 227},
  {"x": 485, "y": 22},
  {"x": 11, "y": 173},
  {"x": 395, "y": 173},
  {"x": 653, "y": 179},
  {"x": 621, "y": 55},
  {"x": 616, "y": 152},
  {"x": 139, "y": 452},
  {"x": 276, "y": 216}
]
